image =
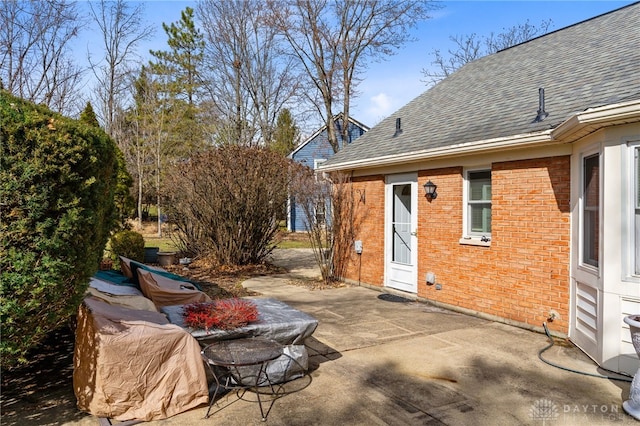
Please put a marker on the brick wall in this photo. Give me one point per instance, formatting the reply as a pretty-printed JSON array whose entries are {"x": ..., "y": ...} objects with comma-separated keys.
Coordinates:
[
  {"x": 522, "y": 275},
  {"x": 369, "y": 223}
]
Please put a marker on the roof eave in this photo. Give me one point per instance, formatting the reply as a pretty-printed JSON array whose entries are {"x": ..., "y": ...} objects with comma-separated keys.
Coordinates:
[
  {"x": 572, "y": 129},
  {"x": 588, "y": 121},
  {"x": 511, "y": 142}
]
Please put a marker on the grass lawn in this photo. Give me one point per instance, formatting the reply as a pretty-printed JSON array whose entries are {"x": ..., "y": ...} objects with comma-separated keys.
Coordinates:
[
  {"x": 293, "y": 240},
  {"x": 293, "y": 244},
  {"x": 287, "y": 240},
  {"x": 164, "y": 243}
]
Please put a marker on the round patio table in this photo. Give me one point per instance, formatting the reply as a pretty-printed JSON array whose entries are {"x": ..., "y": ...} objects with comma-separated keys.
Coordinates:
[{"x": 241, "y": 366}]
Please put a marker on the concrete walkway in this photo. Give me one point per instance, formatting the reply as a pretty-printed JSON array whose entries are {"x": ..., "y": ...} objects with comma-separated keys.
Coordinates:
[{"x": 379, "y": 360}]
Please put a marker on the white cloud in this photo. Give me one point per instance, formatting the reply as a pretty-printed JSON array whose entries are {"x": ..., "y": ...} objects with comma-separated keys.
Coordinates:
[
  {"x": 381, "y": 97},
  {"x": 380, "y": 105}
]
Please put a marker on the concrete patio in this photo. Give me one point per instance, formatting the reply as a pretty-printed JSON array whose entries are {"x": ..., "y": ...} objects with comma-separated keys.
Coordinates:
[{"x": 389, "y": 361}]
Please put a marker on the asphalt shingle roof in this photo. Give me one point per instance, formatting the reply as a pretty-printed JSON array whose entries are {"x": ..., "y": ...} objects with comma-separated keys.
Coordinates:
[{"x": 589, "y": 64}]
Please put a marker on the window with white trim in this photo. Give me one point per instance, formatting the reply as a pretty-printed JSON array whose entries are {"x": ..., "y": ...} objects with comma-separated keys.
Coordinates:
[
  {"x": 320, "y": 207},
  {"x": 320, "y": 212},
  {"x": 478, "y": 204}
]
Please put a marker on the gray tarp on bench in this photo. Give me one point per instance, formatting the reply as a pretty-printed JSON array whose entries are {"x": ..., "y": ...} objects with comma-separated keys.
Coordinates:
[{"x": 277, "y": 321}]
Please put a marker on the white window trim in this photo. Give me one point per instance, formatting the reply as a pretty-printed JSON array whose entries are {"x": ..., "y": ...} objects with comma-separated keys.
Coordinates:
[
  {"x": 316, "y": 163},
  {"x": 467, "y": 239},
  {"x": 629, "y": 206}
]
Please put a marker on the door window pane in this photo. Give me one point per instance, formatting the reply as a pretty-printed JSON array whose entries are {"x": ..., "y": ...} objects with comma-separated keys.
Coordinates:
[
  {"x": 591, "y": 210},
  {"x": 401, "y": 223}
]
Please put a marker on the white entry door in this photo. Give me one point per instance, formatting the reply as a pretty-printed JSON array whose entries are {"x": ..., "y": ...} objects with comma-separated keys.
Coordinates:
[{"x": 401, "y": 252}]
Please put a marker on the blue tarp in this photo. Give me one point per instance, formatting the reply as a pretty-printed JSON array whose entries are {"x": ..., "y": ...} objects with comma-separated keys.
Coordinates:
[{"x": 118, "y": 278}]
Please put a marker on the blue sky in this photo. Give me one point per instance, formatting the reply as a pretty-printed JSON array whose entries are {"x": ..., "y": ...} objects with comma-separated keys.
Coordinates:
[{"x": 390, "y": 84}]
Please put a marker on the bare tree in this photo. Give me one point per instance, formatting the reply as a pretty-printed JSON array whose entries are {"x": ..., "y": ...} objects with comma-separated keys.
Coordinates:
[
  {"x": 471, "y": 47},
  {"x": 143, "y": 127},
  {"x": 35, "y": 62},
  {"x": 248, "y": 81},
  {"x": 516, "y": 35},
  {"x": 177, "y": 127},
  {"x": 122, "y": 30},
  {"x": 333, "y": 40}
]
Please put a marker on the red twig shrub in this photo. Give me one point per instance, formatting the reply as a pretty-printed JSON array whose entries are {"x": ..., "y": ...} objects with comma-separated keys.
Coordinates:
[{"x": 225, "y": 314}]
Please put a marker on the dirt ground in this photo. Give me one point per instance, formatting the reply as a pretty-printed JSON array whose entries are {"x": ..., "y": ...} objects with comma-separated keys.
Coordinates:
[{"x": 41, "y": 393}]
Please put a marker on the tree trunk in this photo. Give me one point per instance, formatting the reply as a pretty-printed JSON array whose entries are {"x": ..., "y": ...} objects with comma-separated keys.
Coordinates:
[
  {"x": 140, "y": 180},
  {"x": 158, "y": 188}
]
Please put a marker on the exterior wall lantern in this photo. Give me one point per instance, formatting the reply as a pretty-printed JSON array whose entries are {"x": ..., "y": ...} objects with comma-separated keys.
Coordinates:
[{"x": 430, "y": 190}]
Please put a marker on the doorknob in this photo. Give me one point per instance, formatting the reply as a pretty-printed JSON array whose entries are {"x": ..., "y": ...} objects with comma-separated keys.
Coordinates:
[{"x": 414, "y": 233}]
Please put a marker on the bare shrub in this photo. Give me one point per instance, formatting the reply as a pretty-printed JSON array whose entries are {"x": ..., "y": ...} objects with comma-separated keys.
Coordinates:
[
  {"x": 329, "y": 206},
  {"x": 224, "y": 203}
]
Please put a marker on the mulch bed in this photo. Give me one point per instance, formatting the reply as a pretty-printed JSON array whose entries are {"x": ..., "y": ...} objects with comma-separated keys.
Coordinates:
[
  {"x": 221, "y": 282},
  {"x": 315, "y": 284}
]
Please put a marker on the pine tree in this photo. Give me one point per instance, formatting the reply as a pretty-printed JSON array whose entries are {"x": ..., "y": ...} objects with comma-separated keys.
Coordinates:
[
  {"x": 88, "y": 116},
  {"x": 177, "y": 70},
  {"x": 286, "y": 133},
  {"x": 184, "y": 57}
]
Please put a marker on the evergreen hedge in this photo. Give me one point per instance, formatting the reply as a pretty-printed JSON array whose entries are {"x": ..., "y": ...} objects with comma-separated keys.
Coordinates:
[
  {"x": 57, "y": 180},
  {"x": 129, "y": 244}
]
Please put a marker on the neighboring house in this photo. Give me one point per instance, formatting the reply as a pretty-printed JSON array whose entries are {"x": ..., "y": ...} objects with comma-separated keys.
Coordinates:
[
  {"x": 314, "y": 151},
  {"x": 537, "y": 215}
]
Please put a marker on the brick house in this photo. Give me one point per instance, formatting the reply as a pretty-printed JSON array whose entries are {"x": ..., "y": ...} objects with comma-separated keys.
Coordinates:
[
  {"x": 535, "y": 153},
  {"x": 312, "y": 152}
]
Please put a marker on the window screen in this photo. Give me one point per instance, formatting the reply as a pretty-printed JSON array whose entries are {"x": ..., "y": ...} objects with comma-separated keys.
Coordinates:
[
  {"x": 479, "y": 202},
  {"x": 591, "y": 210}
]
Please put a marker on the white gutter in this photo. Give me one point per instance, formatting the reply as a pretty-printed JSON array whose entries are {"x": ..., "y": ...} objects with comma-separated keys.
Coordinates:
[
  {"x": 517, "y": 141},
  {"x": 586, "y": 121},
  {"x": 596, "y": 118}
]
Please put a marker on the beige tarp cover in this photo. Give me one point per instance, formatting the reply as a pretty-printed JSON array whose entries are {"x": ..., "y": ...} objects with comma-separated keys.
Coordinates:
[
  {"x": 164, "y": 291},
  {"x": 132, "y": 364},
  {"x": 140, "y": 303}
]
